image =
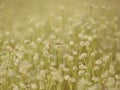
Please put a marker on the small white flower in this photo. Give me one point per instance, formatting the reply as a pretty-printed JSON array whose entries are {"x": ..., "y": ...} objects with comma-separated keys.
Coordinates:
[
  {"x": 87, "y": 43},
  {"x": 82, "y": 56},
  {"x": 95, "y": 79},
  {"x": 71, "y": 43},
  {"x": 22, "y": 85},
  {"x": 16, "y": 87},
  {"x": 82, "y": 83},
  {"x": 62, "y": 66},
  {"x": 98, "y": 62},
  {"x": 33, "y": 86},
  {"x": 71, "y": 58},
  {"x": 33, "y": 44},
  {"x": 110, "y": 82},
  {"x": 74, "y": 68},
  {"x": 56, "y": 76},
  {"x": 66, "y": 77},
  {"x": 82, "y": 43},
  {"x": 36, "y": 56},
  {"x": 20, "y": 55},
  {"x": 73, "y": 80},
  {"x": 53, "y": 64},
  {"x": 70, "y": 32},
  {"x": 96, "y": 68},
  {"x": 66, "y": 69},
  {"x": 42, "y": 63},
  {"x": 27, "y": 41},
  {"x": 52, "y": 36},
  {"x": 75, "y": 52},
  {"x": 112, "y": 70},
  {"x": 81, "y": 72},
  {"x": 117, "y": 77},
  {"x": 56, "y": 30},
  {"x": 93, "y": 54},
  {"x": 105, "y": 75},
  {"x": 81, "y": 66},
  {"x": 7, "y": 33},
  {"x": 39, "y": 40}
]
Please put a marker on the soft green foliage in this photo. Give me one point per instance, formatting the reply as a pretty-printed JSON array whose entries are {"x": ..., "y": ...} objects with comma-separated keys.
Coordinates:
[{"x": 63, "y": 50}]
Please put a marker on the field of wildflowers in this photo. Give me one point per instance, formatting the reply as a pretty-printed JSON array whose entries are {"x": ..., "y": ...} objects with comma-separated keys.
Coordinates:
[{"x": 62, "y": 50}]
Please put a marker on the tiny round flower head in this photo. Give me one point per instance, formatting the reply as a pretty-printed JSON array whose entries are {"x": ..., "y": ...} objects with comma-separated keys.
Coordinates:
[
  {"x": 42, "y": 63},
  {"x": 22, "y": 85},
  {"x": 117, "y": 77},
  {"x": 81, "y": 72},
  {"x": 58, "y": 46},
  {"x": 15, "y": 87},
  {"x": 96, "y": 68},
  {"x": 48, "y": 46},
  {"x": 98, "y": 62},
  {"x": 59, "y": 18},
  {"x": 66, "y": 69},
  {"x": 66, "y": 77},
  {"x": 110, "y": 82},
  {"x": 11, "y": 73},
  {"x": 93, "y": 54},
  {"x": 112, "y": 70},
  {"x": 95, "y": 87},
  {"x": 39, "y": 40},
  {"x": 52, "y": 68},
  {"x": 81, "y": 66},
  {"x": 82, "y": 56},
  {"x": 56, "y": 30},
  {"x": 20, "y": 55},
  {"x": 87, "y": 44},
  {"x": 36, "y": 56},
  {"x": 33, "y": 44},
  {"x": 82, "y": 83},
  {"x": 7, "y": 33},
  {"x": 56, "y": 76},
  {"x": 71, "y": 58},
  {"x": 6, "y": 42},
  {"x": 95, "y": 79},
  {"x": 27, "y": 41},
  {"x": 90, "y": 39},
  {"x": 9, "y": 48},
  {"x": 41, "y": 87},
  {"x": 80, "y": 35},
  {"x": 16, "y": 62},
  {"x": 62, "y": 66},
  {"x": 70, "y": 32},
  {"x": 75, "y": 68},
  {"x": 75, "y": 52},
  {"x": 82, "y": 43},
  {"x": 33, "y": 86},
  {"x": 73, "y": 80},
  {"x": 104, "y": 75},
  {"x": 71, "y": 43},
  {"x": 52, "y": 36}
]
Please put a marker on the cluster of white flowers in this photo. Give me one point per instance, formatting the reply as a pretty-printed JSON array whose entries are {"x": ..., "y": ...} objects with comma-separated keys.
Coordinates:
[{"x": 62, "y": 52}]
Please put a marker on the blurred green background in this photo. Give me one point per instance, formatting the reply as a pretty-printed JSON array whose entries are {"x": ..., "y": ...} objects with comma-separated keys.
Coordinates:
[{"x": 12, "y": 11}]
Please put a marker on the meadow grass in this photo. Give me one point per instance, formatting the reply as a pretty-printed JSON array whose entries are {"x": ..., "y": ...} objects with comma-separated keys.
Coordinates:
[{"x": 62, "y": 51}]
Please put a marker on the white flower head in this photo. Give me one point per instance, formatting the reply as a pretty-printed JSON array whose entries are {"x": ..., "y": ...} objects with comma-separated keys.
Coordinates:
[
  {"x": 98, "y": 62},
  {"x": 33, "y": 86},
  {"x": 71, "y": 43},
  {"x": 66, "y": 77}
]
